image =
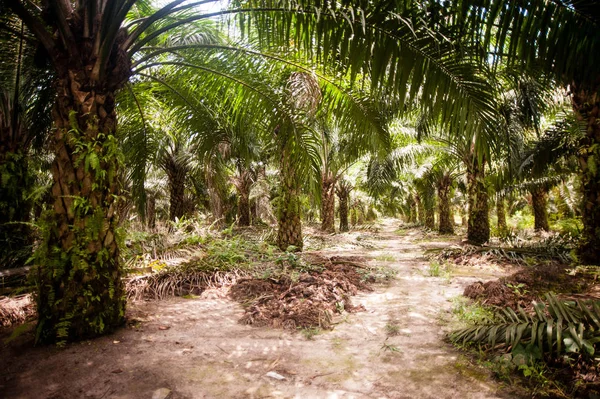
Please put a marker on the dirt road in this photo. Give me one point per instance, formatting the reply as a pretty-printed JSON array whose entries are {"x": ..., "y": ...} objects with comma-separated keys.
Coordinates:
[{"x": 195, "y": 348}]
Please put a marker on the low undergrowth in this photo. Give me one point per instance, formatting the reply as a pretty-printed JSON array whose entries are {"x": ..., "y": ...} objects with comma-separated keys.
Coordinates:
[
  {"x": 280, "y": 289},
  {"x": 551, "y": 350},
  {"x": 513, "y": 249},
  {"x": 537, "y": 328}
]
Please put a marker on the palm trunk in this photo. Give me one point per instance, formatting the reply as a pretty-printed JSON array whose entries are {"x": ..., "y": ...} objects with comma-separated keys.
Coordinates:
[
  {"x": 242, "y": 184},
  {"x": 420, "y": 209},
  {"x": 151, "y": 211},
  {"x": 446, "y": 225},
  {"x": 264, "y": 210},
  {"x": 289, "y": 231},
  {"x": 428, "y": 200},
  {"x": 430, "y": 217},
  {"x": 327, "y": 203},
  {"x": 539, "y": 203},
  {"x": 343, "y": 192},
  {"x": 501, "y": 214},
  {"x": 478, "y": 230},
  {"x": 80, "y": 293},
  {"x": 412, "y": 210},
  {"x": 214, "y": 195},
  {"x": 176, "y": 174},
  {"x": 586, "y": 104}
]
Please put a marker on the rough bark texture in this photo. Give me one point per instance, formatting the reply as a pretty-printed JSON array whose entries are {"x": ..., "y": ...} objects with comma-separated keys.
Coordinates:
[
  {"x": 478, "y": 230},
  {"x": 242, "y": 183},
  {"x": 586, "y": 104},
  {"x": 420, "y": 209},
  {"x": 289, "y": 231},
  {"x": 430, "y": 217},
  {"x": 343, "y": 190},
  {"x": 327, "y": 203},
  {"x": 446, "y": 224},
  {"x": 80, "y": 293},
  {"x": 501, "y": 214},
  {"x": 176, "y": 174},
  {"x": 264, "y": 209},
  {"x": 151, "y": 211},
  {"x": 539, "y": 203},
  {"x": 79, "y": 289},
  {"x": 412, "y": 210}
]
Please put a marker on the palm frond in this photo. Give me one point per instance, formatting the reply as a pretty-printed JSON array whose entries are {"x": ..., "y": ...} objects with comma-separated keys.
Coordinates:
[{"x": 556, "y": 327}]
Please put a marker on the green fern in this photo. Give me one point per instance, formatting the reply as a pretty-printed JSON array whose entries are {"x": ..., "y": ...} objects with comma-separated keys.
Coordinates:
[{"x": 557, "y": 327}]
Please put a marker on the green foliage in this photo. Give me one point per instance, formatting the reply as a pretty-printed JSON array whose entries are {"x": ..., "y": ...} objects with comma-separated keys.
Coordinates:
[
  {"x": 556, "y": 328},
  {"x": 77, "y": 274},
  {"x": 16, "y": 187},
  {"x": 437, "y": 269},
  {"x": 378, "y": 274},
  {"x": 392, "y": 329},
  {"x": 471, "y": 313},
  {"x": 310, "y": 332},
  {"x": 569, "y": 226}
]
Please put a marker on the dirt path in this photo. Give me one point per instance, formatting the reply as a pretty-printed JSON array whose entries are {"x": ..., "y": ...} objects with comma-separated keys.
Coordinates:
[{"x": 196, "y": 348}]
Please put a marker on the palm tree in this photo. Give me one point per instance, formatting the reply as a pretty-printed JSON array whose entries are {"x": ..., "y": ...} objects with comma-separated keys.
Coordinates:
[
  {"x": 343, "y": 190},
  {"x": 563, "y": 39},
  {"x": 25, "y": 93}
]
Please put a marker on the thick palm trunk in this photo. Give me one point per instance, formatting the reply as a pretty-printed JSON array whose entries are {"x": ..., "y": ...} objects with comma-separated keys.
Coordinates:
[
  {"x": 151, "y": 211},
  {"x": 289, "y": 222},
  {"x": 327, "y": 203},
  {"x": 420, "y": 217},
  {"x": 215, "y": 199},
  {"x": 446, "y": 224},
  {"x": 176, "y": 175},
  {"x": 412, "y": 210},
  {"x": 264, "y": 210},
  {"x": 539, "y": 203},
  {"x": 242, "y": 184},
  {"x": 428, "y": 200},
  {"x": 430, "y": 217},
  {"x": 79, "y": 289},
  {"x": 478, "y": 230},
  {"x": 501, "y": 214},
  {"x": 343, "y": 190},
  {"x": 586, "y": 104}
]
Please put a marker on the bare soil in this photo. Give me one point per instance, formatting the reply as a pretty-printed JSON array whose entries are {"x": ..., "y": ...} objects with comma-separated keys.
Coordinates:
[{"x": 198, "y": 348}]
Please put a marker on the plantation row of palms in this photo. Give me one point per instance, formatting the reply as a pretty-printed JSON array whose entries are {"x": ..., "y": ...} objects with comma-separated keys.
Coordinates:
[{"x": 127, "y": 94}]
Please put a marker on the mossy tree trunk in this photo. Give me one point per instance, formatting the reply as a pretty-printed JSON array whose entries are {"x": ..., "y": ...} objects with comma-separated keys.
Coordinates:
[
  {"x": 478, "y": 229},
  {"x": 586, "y": 104},
  {"x": 343, "y": 190},
  {"x": 501, "y": 214},
  {"x": 539, "y": 203},
  {"x": 80, "y": 293},
  {"x": 327, "y": 202},
  {"x": 446, "y": 223},
  {"x": 289, "y": 231}
]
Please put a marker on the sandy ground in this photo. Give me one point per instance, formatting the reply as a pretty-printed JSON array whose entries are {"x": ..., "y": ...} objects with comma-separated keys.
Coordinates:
[{"x": 195, "y": 348}]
